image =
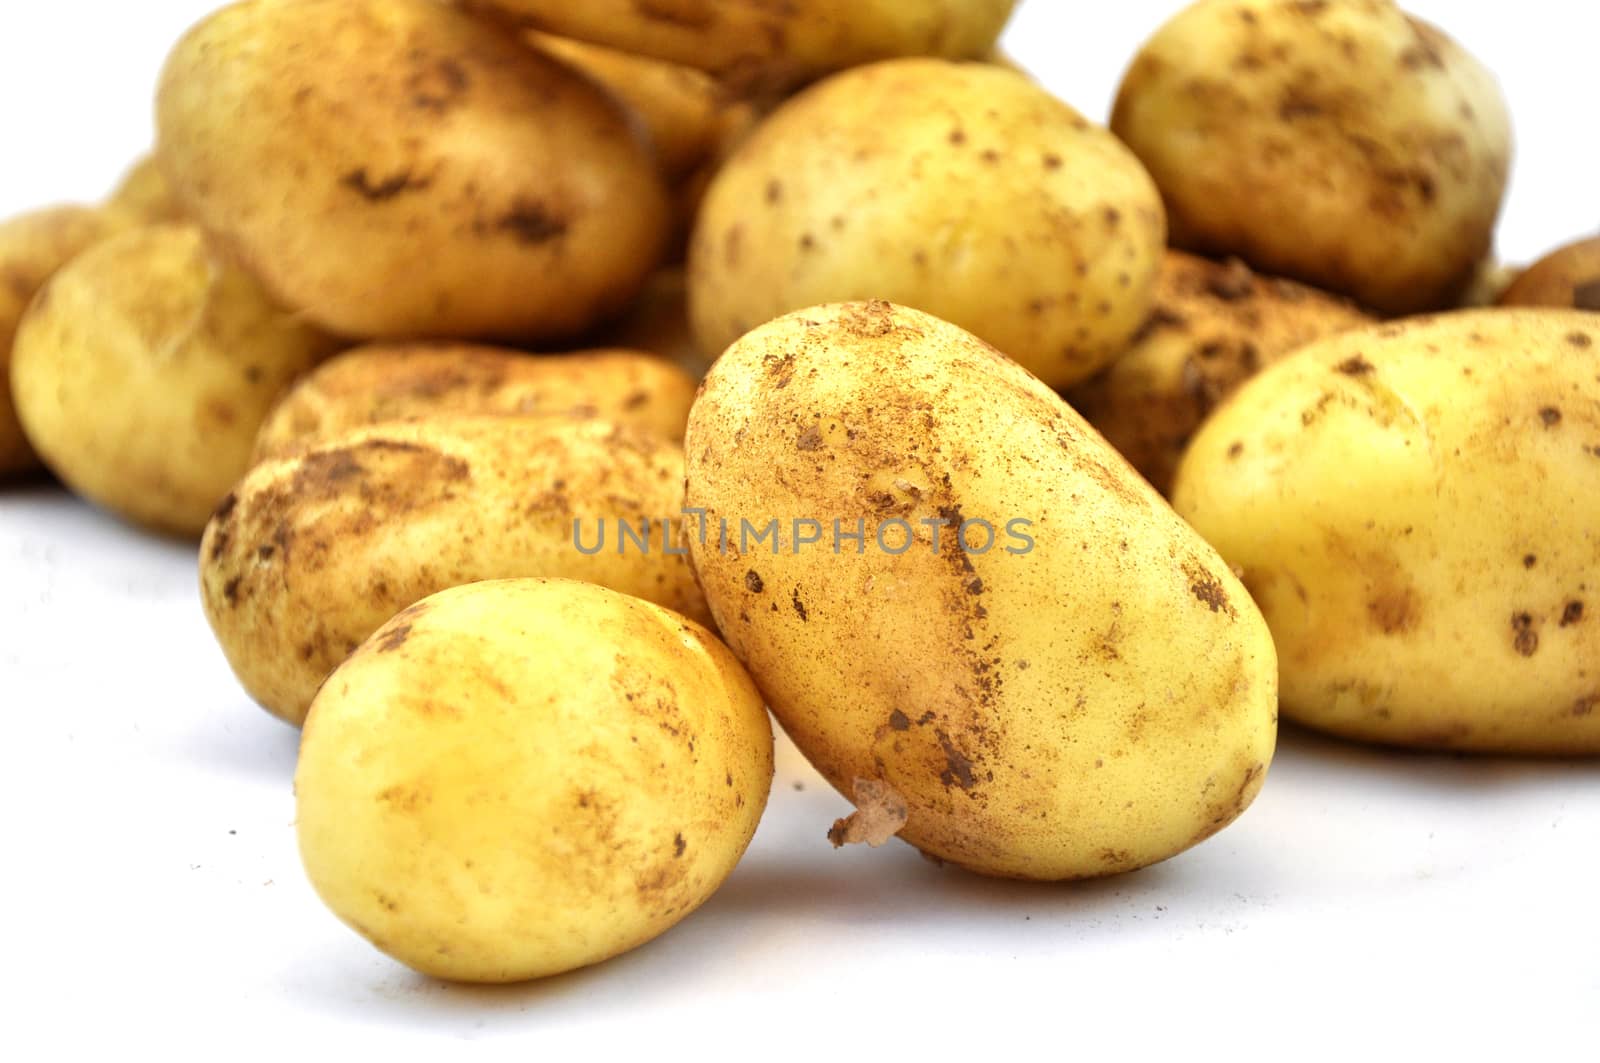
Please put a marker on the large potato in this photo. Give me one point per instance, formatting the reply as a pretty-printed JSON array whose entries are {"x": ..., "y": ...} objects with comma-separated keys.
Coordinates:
[
  {"x": 518, "y": 778},
  {"x": 1416, "y": 509},
  {"x": 1338, "y": 142},
  {"x": 309, "y": 555},
  {"x": 771, "y": 45},
  {"x": 1215, "y": 325},
  {"x": 405, "y": 382},
  {"x": 1567, "y": 277},
  {"x": 394, "y": 168},
  {"x": 964, "y": 190},
  {"x": 144, "y": 368},
  {"x": 1085, "y": 693}
]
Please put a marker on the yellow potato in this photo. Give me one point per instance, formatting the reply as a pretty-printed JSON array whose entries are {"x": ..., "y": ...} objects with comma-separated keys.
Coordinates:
[
  {"x": 1339, "y": 142},
  {"x": 1567, "y": 277},
  {"x": 144, "y": 196},
  {"x": 144, "y": 368},
  {"x": 407, "y": 382},
  {"x": 519, "y": 778},
  {"x": 310, "y": 554},
  {"x": 963, "y": 190},
  {"x": 1081, "y": 694},
  {"x": 395, "y": 168},
  {"x": 1415, "y": 508},
  {"x": 1215, "y": 325}
]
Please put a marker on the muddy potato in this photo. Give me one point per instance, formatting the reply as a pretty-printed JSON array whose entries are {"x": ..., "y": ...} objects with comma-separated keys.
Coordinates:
[
  {"x": 396, "y": 168},
  {"x": 1416, "y": 508},
  {"x": 1569, "y": 277},
  {"x": 407, "y": 382},
  {"x": 518, "y": 778},
  {"x": 144, "y": 196},
  {"x": 144, "y": 368},
  {"x": 964, "y": 190},
  {"x": 1341, "y": 143},
  {"x": 1215, "y": 325},
  {"x": 310, "y": 554},
  {"x": 1080, "y": 695}
]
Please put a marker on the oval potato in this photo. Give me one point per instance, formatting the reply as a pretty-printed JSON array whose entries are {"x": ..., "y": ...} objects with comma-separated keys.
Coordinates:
[{"x": 1567, "y": 277}]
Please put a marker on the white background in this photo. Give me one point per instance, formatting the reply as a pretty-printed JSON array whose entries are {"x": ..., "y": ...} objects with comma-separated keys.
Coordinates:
[{"x": 1368, "y": 903}]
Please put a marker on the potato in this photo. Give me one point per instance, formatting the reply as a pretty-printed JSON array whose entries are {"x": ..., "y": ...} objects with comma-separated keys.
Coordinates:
[
  {"x": 1084, "y": 689},
  {"x": 395, "y": 168},
  {"x": 405, "y": 382},
  {"x": 964, "y": 190},
  {"x": 144, "y": 197},
  {"x": 1337, "y": 142},
  {"x": 518, "y": 778},
  {"x": 1414, "y": 507},
  {"x": 1568, "y": 277},
  {"x": 1215, "y": 324},
  {"x": 764, "y": 46},
  {"x": 143, "y": 370},
  {"x": 311, "y": 554}
]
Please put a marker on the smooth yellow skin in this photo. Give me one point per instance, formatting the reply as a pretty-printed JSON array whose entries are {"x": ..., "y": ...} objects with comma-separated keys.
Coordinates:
[
  {"x": 1416, "y": 508},
  {"x": 1092, "y": 706},
  {"x": 520, "y": 778},
  {"x": 964, "y": 190},
  {"x": 1341, "y": 143},
  {"x": 144, "y": 196},
  {"x": 144, "y": 369},
  {"x": 395, "y": 168},
  {"x": 766, "y": 46},
  {"x": 310, "y": 554},
  {"x": 408, "y": 382}
]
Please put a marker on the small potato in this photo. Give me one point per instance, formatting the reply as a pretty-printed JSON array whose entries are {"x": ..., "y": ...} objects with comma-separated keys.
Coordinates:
[
  {"x": 309, "y": 555},
  {"x": 396, "y": 168},
  {"x": 519, "y": 778},
  {"x": 1415, "y": 508},
  {"x": 406, "y": 382},
  {"x": 1569, "y": 277},
  {"x": 144, "y": 369},
  {"x": 1215, "y": 325},
  {"x": 144, "y": 196},
  {"x": 964, "y": 190},
  {"x": 1338, "y": 142}
]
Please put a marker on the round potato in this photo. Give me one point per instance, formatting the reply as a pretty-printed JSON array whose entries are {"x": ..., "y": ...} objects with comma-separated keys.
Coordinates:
[
  {"x": 396, "y": 168},
  {"x": 144, "y": 196},
  {"x": 1415, "y": 508},
  {"x": 964, "y": 190},
  {"x": 964, "y": 607},
  {"x": 144, "y": 369},
  {"x": 1569, "y": 277},
  {"x": 519, "y": 778},
  {"x": 406, "y": 382},
  {"x": 310, "y": 555},
  {"x": 1338, "y": 142},
  {"x": 1215, "y": 324},
  {"x": 764, "y": 46}
]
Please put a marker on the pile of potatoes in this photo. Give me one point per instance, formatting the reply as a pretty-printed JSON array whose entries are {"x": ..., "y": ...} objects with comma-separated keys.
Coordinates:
[{"x": 1024, "y": 468}]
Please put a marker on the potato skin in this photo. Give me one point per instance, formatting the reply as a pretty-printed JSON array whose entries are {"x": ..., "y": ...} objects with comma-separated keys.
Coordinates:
[
  {"x": 1341, "y": 143},
  {"x": 143, "y": 370},
  {"x": 518, "y": 778},
  {"x": 329, "y": 140},
  {"x": 415, "y": 381},
  {"x": 1414, "y": 506},
  {"x": 144, "y": 196},
  {"x": 1568, "y": 277},
  {"x": 1215, "y": 325},
  {"x": 1091, "y": 706},
  {"x": 964, "y": 190},
  {"x": 309, "y": 555}
]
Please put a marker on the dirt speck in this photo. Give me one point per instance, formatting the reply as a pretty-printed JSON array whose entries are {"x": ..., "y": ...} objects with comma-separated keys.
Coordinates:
[{"x": 881, "y": 812}]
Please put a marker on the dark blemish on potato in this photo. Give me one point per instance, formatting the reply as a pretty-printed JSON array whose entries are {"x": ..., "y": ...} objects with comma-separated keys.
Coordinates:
[
  {"x": 394, "y": 639},
  {"x": 226, "y": 507},
  {"x": 696, "y": 16},
  {"x": 1586, "y": 296},
  {"x": 1052, "y": 161},
  {"x": 1208, "y": 589},
  {"x": 1310, "y": 8},
  {"x": 989, "y": 155},
  {"x": 799, "y": 606},
  {"x": 733, "y": 245},
  {"x": 899, "y": 721},
  {"x": 753, "y": 583},
  {"x": 1572, "y": 614},
  {"x": 636, "y": 400},
  {"x": 438, "y": 87},
  {"x": 1235, "y": 450},
  {"x": 1113, "y": 217},
  {"x": 1550, "y": 416},
  {"x": 1355, "y": 366},
  {"x": 1581, "y": 340},
  {"x": 1586, "y": 705},
  {"x": 1529, "y": 560},
  {"x": 810, "y": 439},
  {"x": 230, "y": 590},
  {"x": 1393, "y": 612},
  {"x": 1295, "y": 106},
  {"x": 774, "y": 191},
  {"x": 1232, "y": 281},
  {"x": 1524, "y": 639},
  {"x": 958, "y": 136},
  {"x": 678, "y": 846},
  {"x": 975, "y": 587},
  {"x": 265, "y": 552},
  {"x": 808, "y": 242},
  {"x": 385, "y": 189},
  {"x": 530, "y": 223},
  {"x": 957, "y": 768}
]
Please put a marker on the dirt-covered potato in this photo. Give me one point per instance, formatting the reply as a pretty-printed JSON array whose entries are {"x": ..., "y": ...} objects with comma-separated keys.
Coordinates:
[
  {"x": 1215, "y": 325},
  {"x": 416, "y": 381},
  {"x": 1339, "y": 142},
  {"x": 1415, "y": 508},
  {"x": 1568, "y": 277},
  {"x": 310, "y": 555},
  {"x": 765, "y": 45},
  {"x": 1026, "y": 658},
  {"x": 144, "y": 369},
  {"x": 396, "y": 168},
  {"x": 522, "y": 777},
  {"x": 144, "y": 196},
  {"x": 964, "y": 190}
]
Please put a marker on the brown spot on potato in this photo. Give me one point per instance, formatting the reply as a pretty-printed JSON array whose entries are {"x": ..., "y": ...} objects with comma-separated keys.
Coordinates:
[
  {"x": 1529, "y": 560},
  {"x": 1524, "y": 639},
  {"x": 531, "y": 223},
  {"x": 394, "y": 638},
  {"x": 678, "y": 846},
  {"x": 899, "y": 721},
  {"x": 438, "y": 87},
  {"x": 1586, "y": 297},
  {"x": 696, "y": 16},
  {"x": 810, "y": 439},
  {"x": 381, "y": 190},
  {"x": 1581, "y": 340},
  {"x": 774, "y": 191},
  {"x": 230, "y": 590},
  {"x": 1550, "y": 416},
  {"x": 753, "y": 583},
  {"x": 1394, "y": 612},
  {"x": 1572, "y": 614},
  {"x": 1356, "y": 365},
  {"x": 1052, "y": 161},
  {"x": 1232, "y": 281},
  {"x": 1586, "y": 705},
  {"x": 1208, "y": 589},
  {"x": 958, "y": 767},
  {"x": 799, "y": 606}
]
